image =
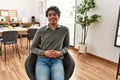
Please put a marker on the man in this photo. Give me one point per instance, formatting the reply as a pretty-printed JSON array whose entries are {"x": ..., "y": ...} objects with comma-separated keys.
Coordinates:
[{"x": 50, "y": 44}]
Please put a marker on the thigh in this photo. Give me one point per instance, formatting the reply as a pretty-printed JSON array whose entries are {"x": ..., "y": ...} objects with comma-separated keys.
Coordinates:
[
  {"x": 42, "y": 70},
  {"x": 57, "y": 70}
]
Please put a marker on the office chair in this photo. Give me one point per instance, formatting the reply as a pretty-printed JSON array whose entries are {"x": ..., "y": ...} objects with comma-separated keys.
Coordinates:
[
  {"x": 31, "y": 61},
  {"x": 0, "y": 46},
  {"x": 30, "y": 36},
  {"x": 10, "y": 37},
  {"x": 118, "y": 68}
]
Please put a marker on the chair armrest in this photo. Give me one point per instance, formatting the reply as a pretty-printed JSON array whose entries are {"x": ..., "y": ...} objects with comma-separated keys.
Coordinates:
[
  {"x": 69, "y": 65},
  {"x": 30, "y": 66}
]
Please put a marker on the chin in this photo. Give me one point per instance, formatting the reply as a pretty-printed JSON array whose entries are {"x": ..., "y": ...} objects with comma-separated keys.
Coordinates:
[{"x": 53, "y": 23}]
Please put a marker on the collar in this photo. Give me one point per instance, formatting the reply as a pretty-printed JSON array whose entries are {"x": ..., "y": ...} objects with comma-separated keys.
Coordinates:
[{"x": 47, "y": 27}]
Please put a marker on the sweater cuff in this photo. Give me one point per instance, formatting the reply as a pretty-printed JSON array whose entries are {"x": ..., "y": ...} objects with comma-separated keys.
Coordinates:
[
  {"x": 41, "y": 52},
  {"x": 61, "y": 53}
]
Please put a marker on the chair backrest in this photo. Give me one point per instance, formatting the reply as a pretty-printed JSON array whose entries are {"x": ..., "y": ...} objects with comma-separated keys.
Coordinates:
[
  {"x": 31, "y": 33},
  {"x": 31, "y": 61},
  {"x": 1, "y": 38},
  {"x": 9, "y": 35},
  {"x": 69, "y": 65}
]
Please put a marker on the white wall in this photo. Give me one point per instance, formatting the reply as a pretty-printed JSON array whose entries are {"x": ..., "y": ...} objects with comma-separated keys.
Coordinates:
[
  {"x": 41, "y": 16},
  {"x": 24, "y": 8},
  {"x": 101, "y": 36}
]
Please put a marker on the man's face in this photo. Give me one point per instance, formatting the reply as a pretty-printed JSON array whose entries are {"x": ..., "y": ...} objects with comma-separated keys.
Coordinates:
[{"x": 53, "y": 17}]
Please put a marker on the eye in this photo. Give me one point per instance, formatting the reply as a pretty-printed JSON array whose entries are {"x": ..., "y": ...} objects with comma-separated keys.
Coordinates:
[
  {"x": 49, "y": 15},
  {"x": 54, "y": 14}
]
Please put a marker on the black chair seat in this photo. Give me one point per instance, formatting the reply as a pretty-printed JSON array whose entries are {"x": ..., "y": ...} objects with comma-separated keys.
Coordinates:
[
  {"x": 30, "y": 36},
  {"x": 8, "y": 42},
  {"x": 10, "y": 37},
  {"x": 31, "y": 61},
  {"x": 0, "y": 45}
]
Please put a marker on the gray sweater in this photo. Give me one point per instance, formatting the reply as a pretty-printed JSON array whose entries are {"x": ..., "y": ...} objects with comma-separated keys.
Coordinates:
[{"x": 47, "y": 39}]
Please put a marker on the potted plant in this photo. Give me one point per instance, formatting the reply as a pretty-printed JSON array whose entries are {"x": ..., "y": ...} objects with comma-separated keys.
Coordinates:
[{"x": 85, "y": 19}]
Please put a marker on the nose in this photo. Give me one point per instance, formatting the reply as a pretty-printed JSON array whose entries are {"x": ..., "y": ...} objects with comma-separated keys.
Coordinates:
[{"x": 52, "y": 16}]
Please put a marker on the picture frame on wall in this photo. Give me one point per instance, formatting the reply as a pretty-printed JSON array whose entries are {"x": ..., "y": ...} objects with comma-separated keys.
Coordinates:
[{"x": 4, "y": 13}]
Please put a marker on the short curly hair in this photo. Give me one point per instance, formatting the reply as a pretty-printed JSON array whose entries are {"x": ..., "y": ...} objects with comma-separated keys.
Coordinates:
[{"x": 54, "y": 8}]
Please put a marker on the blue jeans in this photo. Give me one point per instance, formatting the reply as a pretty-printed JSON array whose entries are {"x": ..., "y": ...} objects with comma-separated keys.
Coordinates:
[{"x": 49, "y": 67}]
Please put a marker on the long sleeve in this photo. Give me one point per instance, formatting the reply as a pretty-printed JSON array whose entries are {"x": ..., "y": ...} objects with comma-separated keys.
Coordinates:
[
  {"x": 65, "y": 44},
  {"x": 35, "y": 45}
]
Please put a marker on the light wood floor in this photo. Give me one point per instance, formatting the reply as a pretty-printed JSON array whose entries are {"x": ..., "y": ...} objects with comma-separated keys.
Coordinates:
[{"x": 87, "y": 67}]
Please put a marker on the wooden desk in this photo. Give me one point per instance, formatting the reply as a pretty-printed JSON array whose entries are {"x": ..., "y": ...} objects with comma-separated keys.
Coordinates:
[
  {"x": 20, "y": 30},
  {"x": 14, "y": 23},
  {"x": 29, "y": 24},
  {"x": 18, "y": 23}
]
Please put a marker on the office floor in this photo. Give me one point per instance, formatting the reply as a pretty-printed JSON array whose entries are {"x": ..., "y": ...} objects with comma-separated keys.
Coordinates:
[{"x": 87, "y": 67}]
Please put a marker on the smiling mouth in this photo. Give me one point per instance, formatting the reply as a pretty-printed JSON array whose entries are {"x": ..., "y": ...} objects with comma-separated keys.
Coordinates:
[{"x": 53, "y": 20}]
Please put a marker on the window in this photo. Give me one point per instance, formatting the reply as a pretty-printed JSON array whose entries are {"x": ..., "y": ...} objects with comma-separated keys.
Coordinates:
[{"x": 67, "y": 17}]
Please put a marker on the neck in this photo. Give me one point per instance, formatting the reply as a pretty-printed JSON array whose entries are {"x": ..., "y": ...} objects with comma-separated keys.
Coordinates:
[{"x": 53, "y": 27}]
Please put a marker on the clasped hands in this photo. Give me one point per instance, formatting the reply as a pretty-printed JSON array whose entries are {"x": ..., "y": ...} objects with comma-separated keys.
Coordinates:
[{"x": 52, "y": 53}]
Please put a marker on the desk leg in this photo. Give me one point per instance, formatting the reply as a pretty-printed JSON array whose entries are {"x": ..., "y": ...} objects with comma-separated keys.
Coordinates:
[
  {"x": 21, "y": 40},
  {"x": 1, "y": 49}
]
